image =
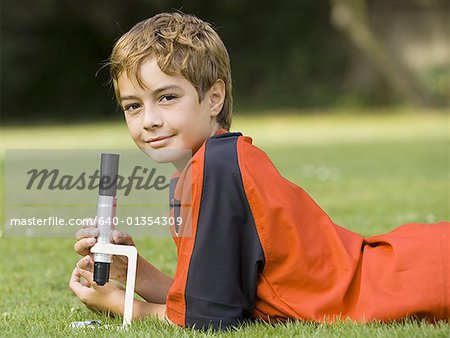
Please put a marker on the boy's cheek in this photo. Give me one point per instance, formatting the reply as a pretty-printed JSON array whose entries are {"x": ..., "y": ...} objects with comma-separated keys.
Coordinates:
[{"x": 133, "y": 129}]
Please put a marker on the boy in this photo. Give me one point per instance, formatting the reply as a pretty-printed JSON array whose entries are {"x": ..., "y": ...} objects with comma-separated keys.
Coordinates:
[{"x": 260, "y": 246}]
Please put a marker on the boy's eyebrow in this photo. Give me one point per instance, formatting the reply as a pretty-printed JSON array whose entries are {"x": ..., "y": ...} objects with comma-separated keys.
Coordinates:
[
  {"x": 128, "y": 97},
  {"x": 168, "y": 87},
  {"x": 156, "y": 92}
]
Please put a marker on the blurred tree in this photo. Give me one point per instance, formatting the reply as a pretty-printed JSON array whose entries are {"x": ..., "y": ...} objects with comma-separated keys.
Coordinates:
[{"x": 351, "y": 17}]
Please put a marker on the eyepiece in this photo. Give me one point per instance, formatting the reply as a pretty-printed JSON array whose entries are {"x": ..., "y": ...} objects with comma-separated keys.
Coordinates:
[{"x": 108, "y": 174}]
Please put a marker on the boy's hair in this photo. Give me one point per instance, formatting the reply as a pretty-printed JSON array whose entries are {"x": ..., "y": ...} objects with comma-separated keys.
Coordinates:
[{"x": 182, "y": 44}]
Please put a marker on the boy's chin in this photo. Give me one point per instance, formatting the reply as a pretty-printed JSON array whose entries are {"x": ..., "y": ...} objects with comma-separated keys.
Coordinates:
[{"x": 168, "y": 155}]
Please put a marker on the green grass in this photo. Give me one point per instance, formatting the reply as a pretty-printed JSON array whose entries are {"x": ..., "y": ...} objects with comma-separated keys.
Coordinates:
[{"x": 370, "y": 173}]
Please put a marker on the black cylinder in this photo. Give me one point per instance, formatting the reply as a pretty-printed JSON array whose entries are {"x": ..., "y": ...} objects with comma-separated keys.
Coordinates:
[{"x": 101, "y": 273}]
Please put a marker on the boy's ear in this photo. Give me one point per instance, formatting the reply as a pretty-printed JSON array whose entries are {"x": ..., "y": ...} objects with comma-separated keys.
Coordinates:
[{"x": 216, "y": 97}]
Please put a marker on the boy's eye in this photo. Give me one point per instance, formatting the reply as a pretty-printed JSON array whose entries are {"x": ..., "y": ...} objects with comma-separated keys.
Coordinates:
[
  {"x": 129, "y": 108},
  {"x": 167, "y": 98}
]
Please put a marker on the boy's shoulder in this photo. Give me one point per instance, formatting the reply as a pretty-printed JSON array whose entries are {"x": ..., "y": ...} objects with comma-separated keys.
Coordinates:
[
  {"x": 230, "y": 153},
  {"x": 230, "y": 148}
]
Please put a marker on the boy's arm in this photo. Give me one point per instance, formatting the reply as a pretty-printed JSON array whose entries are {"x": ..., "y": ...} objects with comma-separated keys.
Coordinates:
[
  {"x": 151, "y": 284},
  {"x": 145, "y": 309}
]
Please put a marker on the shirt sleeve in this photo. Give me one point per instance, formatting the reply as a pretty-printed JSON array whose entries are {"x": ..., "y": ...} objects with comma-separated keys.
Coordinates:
[{"x": 226, "y": 256}]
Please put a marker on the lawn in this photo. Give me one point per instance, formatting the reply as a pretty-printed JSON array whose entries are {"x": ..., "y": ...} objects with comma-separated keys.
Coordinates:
[{"x": 369, "y": 172}]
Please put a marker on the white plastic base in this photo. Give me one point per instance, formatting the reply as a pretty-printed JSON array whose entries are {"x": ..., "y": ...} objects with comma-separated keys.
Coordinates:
[{"x": 131, "y": 253}]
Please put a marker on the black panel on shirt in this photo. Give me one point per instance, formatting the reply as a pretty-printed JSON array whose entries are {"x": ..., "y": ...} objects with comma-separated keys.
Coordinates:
[
  {"x": 227, "y": 254},
  {"x": 174, "y": 203}
]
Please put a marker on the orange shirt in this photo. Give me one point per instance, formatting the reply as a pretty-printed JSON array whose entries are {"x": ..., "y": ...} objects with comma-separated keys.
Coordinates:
[{"x": 254, "y": 245}]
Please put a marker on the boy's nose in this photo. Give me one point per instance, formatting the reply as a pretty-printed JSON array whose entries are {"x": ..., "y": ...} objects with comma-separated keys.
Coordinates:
[{"x": 151, "y": 119}]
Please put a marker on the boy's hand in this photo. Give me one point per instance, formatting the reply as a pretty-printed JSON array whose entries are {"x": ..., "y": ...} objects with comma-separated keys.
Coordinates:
[
  {"x": 107, "y": 298},
  {"x": 151, "y": 284},
  {"x": 87, "y": 237}
]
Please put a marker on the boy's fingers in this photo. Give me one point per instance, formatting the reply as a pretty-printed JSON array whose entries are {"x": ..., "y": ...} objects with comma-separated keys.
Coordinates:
[
  {"x": 120, "y": 237},
  {"x": 77, "y": 287},
  {"x": 74, "y": 281},
  {"x": 83, "y": 245},
  {"x": 85, "y": 283},
  {"x": 81, "y": 276},
  {"x": 88, "y": 231},
  {"x": 86, "y": 263},
  {"x": 86, "y": 275}
]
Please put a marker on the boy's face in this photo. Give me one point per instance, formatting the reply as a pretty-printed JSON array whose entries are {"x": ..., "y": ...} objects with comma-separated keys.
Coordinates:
[{"x": 167, "y": 114}]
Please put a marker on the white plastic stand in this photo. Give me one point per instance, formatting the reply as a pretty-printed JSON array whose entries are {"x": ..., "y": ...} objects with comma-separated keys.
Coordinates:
[{"x": 131, "y": 253}]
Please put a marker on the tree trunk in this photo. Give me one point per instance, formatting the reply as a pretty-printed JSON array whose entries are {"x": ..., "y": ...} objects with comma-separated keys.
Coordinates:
[{"x": 350, "y": 16}]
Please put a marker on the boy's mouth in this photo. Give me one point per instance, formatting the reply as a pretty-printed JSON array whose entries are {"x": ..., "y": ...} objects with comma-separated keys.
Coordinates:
[{"x": 156, "y": 139}]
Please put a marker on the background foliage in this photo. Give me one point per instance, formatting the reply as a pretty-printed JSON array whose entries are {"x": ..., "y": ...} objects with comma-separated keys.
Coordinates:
[{"x": 288, "y": 54}]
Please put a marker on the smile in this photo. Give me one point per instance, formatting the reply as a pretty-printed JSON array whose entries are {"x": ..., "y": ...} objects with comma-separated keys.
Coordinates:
[{"x": 157, "y": 140}]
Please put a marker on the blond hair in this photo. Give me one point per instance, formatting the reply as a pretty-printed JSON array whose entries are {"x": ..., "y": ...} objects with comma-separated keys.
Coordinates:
[{"x": 182, "y": 44}]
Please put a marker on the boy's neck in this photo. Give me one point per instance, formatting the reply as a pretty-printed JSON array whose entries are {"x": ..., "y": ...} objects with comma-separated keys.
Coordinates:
[{"x": 181, "y": 164}]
